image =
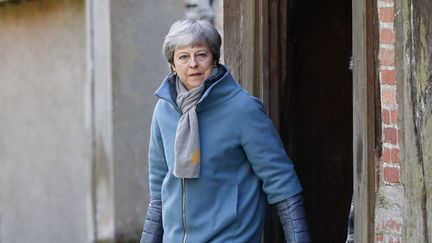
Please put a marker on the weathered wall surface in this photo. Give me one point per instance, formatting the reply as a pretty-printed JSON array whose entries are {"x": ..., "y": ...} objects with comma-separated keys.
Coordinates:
[
  {"x": 45, "y": 139},
  {"x": 138, "y": 68},
  {"x": 415, "y": 84},
  {"x": 389, "y": 197},
  {"x": 76, "y": 97}
]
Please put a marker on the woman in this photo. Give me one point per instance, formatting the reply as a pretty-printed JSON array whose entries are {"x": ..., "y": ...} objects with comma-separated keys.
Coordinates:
[{"x": 214, "y": 155}]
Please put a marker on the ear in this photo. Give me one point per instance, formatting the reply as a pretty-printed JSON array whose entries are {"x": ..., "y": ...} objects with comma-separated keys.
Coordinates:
[{"x": 172, "y": 68}]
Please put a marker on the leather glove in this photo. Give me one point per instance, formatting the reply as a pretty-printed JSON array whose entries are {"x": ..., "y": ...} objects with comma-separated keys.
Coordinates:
[
  {"x": 152, "y": 229},
  {"x": 293, "y": 218}
]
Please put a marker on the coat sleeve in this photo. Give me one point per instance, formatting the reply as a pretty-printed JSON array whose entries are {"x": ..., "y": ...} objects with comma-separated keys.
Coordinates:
[
  {"x": 266, "y": 153},
  {"x": 293, "y": 219},
  {"x": 156, "y": 159},
  {"x": 152, "y": 229}
]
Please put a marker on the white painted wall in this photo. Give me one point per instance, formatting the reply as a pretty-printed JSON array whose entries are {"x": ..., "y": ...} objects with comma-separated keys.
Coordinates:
[{"x": 45, "y": 136}]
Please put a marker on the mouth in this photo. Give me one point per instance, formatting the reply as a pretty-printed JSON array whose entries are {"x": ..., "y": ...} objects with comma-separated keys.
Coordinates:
[{"x": 195, "y": 74}]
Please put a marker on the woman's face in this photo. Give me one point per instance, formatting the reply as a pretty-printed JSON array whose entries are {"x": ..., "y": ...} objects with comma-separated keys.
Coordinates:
[{"x": 193, "y": 64}]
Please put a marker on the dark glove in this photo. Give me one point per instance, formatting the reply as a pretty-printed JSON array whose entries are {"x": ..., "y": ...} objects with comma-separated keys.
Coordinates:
[
  {"x": 293, "y": 219},
  {"x": 152, "y": 229}
]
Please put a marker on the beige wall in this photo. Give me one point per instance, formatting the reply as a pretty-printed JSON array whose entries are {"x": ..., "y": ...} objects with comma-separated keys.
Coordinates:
[
  {"x": 76, "y": 97},
  {"x": 45, "y": 136},
  {"x": 138, "y": 68}
]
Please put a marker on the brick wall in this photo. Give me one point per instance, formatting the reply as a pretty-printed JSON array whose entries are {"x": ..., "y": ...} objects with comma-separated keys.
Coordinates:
[{"x": 389, "y": 204}]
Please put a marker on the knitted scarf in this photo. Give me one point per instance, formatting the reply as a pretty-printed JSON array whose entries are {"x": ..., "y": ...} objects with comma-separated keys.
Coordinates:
[
  {"x": 187, "y": 145},
  {"x": 187, "y": 140}
]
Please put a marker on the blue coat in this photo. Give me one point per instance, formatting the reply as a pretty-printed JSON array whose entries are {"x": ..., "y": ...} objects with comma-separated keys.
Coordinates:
[{"x": 243, "y": 165}]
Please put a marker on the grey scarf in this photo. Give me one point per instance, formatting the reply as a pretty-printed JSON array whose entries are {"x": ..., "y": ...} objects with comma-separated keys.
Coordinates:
[{"x": 187, "y": 144}]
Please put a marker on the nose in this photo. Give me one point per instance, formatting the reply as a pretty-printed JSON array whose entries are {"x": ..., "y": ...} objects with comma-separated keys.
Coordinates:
[{"x": 193, "y": 63}]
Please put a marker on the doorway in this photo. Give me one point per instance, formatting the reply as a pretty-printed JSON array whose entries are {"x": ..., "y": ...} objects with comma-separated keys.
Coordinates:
[{"x": 316, "y": 109}]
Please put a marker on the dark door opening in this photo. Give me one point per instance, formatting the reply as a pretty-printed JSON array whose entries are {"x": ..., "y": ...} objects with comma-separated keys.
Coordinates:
[{"x": 316, "y": 111}]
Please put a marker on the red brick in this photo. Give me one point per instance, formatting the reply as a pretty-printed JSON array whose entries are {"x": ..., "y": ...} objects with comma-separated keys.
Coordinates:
[
  {"x": 394, "y": 117},
  {"x": 387, "y": 155},
  {"x": 391, "y": 174},
  {"x": 395, "y": 155},
  {"x": 390, "y": 135},
  {"x": 395, "y": 239},
  {"x": 389, "y": 226},
  {"x": 386, "y": 14},
  {"x": 388, "y": 96},
  {"x": 386, "y": 116},
  {"x": 394, "y": 226},
  {"x": 388, "y": 77},
  {"x": 386, "y": 57},
  {"x": 387, "y": 36},
  {"x": 379, "y": 238}
]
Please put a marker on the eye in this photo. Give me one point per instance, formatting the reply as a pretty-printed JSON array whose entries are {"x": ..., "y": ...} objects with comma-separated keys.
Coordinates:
[
  {"x": 202, "y": 55},
  {"x": 182, "y": 57}
]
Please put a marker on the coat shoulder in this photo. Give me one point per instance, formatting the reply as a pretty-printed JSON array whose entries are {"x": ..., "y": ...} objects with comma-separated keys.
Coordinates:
[{"x": 248, "y": 103}]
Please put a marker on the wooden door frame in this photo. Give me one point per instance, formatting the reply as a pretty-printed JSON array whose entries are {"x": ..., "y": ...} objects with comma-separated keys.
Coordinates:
[
  {"x": 366, "y": 117},
  {"x": 252, "y": 51}
]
